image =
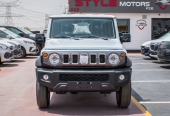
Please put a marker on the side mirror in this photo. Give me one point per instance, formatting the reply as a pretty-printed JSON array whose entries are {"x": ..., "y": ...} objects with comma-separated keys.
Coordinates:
[
  {"x": 125, "y": 37},
  {"x": 40, "y": 37},
  {"x": 8, "y": 36},
  {"x": 21, "y": 34}
]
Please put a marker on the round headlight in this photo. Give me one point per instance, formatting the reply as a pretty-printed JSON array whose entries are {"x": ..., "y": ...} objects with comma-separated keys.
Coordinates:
[
  {"x": 54, "y": 59},
  {"x": 113, "y": 59}
]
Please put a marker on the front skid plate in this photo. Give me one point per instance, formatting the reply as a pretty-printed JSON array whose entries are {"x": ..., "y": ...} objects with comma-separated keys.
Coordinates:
[{"x": 84, "y": 86}]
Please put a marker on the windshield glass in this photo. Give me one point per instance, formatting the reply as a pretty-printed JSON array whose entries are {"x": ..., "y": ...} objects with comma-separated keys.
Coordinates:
[
  {"x": 26, "y": 31},
  {"x": 165, "y": 36},
  {"x": 11, "y": 33},
  {"x": 78, "y": 27}
]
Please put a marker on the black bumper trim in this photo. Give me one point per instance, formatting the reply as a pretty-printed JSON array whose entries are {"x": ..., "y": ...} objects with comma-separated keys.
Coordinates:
[{"x": 55, "y": 85}]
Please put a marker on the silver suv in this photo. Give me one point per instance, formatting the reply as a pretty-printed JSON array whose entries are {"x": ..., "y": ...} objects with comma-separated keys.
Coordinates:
[{"x": 83, "y": 53}]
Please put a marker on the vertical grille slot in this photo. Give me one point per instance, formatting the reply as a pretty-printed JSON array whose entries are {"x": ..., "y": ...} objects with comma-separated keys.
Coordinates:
[
  {"x": 102, "y": 58},
  {"x": 75, "y": 59},
  {"x": 66, "y": 59},
  {"x": 93, "y": 59}
]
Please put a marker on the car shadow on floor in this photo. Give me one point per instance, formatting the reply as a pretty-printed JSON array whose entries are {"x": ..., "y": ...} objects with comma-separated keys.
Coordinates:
[
  {"x": 88, "y": 103},
  {"x": 165, "y": 67},
  {"x": 9, "y": 65},
  {"x": 149, "y": 58},
  {"x": 160, "y": 62},
  {"x": 15, "y": 60},
  {"x": 31, "y": 57}
]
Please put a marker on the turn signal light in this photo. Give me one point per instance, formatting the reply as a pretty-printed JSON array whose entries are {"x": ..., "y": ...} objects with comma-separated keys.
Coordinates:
[
  {"x": 45, "y": 55},
  {"x": 122, "y": 55}
]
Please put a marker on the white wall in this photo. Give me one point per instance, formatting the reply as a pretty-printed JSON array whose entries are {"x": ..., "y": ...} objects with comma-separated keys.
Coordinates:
[{"x": 137, "y": 36}]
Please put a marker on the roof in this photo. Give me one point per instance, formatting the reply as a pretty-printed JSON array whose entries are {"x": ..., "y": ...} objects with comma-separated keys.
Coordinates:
[
  {"x": 6, "y": 26},
  {"x": 84, "y": 15}
]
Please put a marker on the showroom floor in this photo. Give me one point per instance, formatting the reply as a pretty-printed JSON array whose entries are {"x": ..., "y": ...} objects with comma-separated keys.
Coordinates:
[{"x": 150, "y": 87}]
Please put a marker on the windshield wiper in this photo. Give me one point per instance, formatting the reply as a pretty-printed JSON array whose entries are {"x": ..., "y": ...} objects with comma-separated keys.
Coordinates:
[
  {"x": 94, "y": 36},
  {"x": 65, "y": 36}
]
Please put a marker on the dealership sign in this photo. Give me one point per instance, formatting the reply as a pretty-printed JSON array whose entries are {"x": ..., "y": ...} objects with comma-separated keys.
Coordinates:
[
  {"x": 120, "y": 6},
  {"x": 141, "y": 24}
]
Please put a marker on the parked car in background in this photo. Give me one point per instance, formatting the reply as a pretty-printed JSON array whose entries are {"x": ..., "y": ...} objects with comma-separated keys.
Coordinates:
[
  {"x": 45, "y": 32},
  {"x": 16, "y": 47},
  {"x": 145, "y": 48},
  {"x": 155, "y": 44},
  {"x": 27, "y": 46},
  {"x": 164, "y": 50},
  {"x": 27, "y": 34},
  {"x": 6, "y": 52}
]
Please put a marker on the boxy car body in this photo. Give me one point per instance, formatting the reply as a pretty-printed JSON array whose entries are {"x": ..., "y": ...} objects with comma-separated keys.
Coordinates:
[{"x": 83, "y": 53}]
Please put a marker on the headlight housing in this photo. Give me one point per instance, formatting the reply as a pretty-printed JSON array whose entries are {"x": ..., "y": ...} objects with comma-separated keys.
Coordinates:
[
  {"x": 148, "y": 45},
  {"x": 28, "y": 42},
  {"x": 54, "y": 59},
  {"x": 3, "y": 46},
  {"x": 14, "y": 45},
  {"x": 114, "y": 59}
]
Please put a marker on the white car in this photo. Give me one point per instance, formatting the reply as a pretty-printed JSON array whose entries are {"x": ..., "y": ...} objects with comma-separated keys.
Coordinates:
[
  {"x": 27, "y": 46},
  {"x": 16, "y": 47},
  {"x": 6, "y": 52}
]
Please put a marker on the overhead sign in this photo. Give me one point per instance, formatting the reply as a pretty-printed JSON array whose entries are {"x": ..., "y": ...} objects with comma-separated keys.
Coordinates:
[{"x": 120, "y": 6}]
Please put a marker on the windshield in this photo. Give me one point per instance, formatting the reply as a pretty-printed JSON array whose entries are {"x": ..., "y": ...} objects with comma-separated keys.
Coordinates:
[
  {"x": 26, "y": 31},
  {"x": 165, "y": 36},
  {"x": 83, "y": 27},
  {"x": 11, "y": 33}
]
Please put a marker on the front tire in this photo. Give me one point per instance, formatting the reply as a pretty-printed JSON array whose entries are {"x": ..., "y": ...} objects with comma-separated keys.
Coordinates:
[
  {"x": 0, "y": 61},
  {"x": 23, "y": 52},
  {"x": 38, "y": 50},
  {"x": 123, "y": 96},
  {"x": 43, "y": 96}
]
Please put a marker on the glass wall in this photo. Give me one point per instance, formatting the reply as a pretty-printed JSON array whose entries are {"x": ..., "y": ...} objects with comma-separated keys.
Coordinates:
[
  {"x": 123, "y": 25},
  {"x": 160, "y": 26}
]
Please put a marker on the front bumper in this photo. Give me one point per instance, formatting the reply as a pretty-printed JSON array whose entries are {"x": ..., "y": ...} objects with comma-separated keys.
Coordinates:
[
  {"x": 145, "y": 50},
  {"x": 6, "y": 56},
  {"x": 31, "y": 49},
  {"x": 17, "y": 53},
  {"x": 55, "y": 83},
  {"x": 164, "y": 55},
  {"x": 153, "y": 54}
]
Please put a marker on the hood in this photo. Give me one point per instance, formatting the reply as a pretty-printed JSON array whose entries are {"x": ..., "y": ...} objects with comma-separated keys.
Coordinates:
[
  {"x": 32, "y": 36},
  {"x": 167, "y": 39},
  {"x": 5, "y": 43},
  {"x": 83, "y": 44},
  {"x": 146, "y": 43},
  {"x": 158, "y": 40},
  {"x": 9, "y": 40},
  {"x": 25, "y": 39}
]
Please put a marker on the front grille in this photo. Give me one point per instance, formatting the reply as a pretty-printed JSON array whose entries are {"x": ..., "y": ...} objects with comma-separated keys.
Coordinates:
[
  {"x": 19, "y": 46},
  {"x": 15, "y": 52},
  {"x": 142, "y": 47},
  {"x": 11, "y": 48},
  {"x": 93, "y": 59},
  {"x": 84, "y": 77},
  {"x": 152, "y": 47},
  {"x": 7, "y": 55},
  {"x": 75, "y": 59},
  {"x": 102, "y": 59},
  {"x": 66, "y": 59}
]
